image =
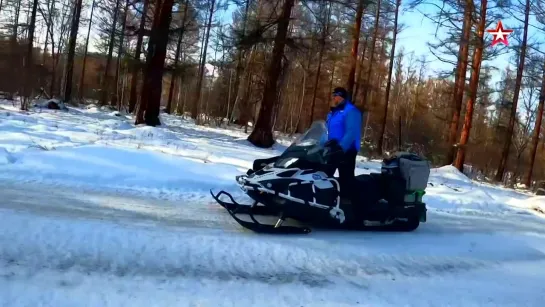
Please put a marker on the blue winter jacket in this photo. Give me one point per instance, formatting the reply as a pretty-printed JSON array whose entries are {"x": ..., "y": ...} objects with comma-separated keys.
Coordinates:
[{"x": 344, "y": 125}]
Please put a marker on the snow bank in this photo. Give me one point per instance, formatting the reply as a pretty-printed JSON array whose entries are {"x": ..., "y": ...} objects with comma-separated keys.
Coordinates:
[
  {"x": 536, "y": 203},
  {"x": 451, "y": 174},
  {"x": 451, "y": 191},
  {"x": 99, "y": 165}
]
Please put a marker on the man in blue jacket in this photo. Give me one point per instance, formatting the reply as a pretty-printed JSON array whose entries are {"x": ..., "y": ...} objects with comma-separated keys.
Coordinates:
[{"x": 344, "y": 136}]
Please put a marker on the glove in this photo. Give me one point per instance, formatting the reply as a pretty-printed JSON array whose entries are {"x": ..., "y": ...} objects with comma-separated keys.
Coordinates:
[{"x": 333, "y": 152}]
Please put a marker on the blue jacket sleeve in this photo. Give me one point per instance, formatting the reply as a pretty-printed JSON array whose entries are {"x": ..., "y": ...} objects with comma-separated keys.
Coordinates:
[{"x": 352, "y": 127}]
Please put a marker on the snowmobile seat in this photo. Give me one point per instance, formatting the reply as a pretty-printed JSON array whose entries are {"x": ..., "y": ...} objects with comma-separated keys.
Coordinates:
[{"x": 368, "y": 189}]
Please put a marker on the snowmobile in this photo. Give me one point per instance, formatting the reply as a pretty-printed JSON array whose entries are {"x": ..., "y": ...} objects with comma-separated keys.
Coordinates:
[{"x": 300, "y": 185}]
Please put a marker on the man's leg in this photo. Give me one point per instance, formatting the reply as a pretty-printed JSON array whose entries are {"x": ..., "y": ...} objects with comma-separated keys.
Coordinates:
[{"x": 347, "y": 169}]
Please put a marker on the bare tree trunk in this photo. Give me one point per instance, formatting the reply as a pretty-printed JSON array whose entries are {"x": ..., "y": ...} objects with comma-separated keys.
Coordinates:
[
  {"x": 262, "y": 135},
  {"x": 355, "y": 44},
  {"x": 512, "y": 118},
  {"x": 71, "y": 52},
  {"x": 29, "y": 61},
  {"x": 301, "y": 101},
  {"x": 325, "y": 32},
  {"x": 153, "y": 74},
  {"x": 239, "y": 67},
  {"x": 16, "y": 22},
  {"x": 460, "y": 80},
  {"x": 362, "y": 61},
  {"x": 389, "y": 82},
  {"x": 13, "y": 52},
  {"x": 53, "y": 57},
  {"x": 82, "y": 77},
  {"x": 105, "y": 86},
  {"x": 115, "y": 99},
  {"x": 135, "y": 67},
  {"x": 306, "y": 69},
  {"x": 473, "y": 87},
  {"x": 537, "y": 131},
  {"x": 48, "y": 25},
  {"x": 176, "y": 58},
  {"x": 370, "y": 67},
  {"x": 195, "y": 109}
]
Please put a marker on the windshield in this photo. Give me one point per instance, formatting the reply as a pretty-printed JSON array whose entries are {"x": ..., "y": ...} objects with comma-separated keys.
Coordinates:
[
  {"x": 312, "y": 136},
  {"x": 307, "y": 146}
]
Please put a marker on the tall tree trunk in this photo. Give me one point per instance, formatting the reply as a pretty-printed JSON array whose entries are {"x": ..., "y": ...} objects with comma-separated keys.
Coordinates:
[
  {"x": 355, "y": 44},
  {"x": 155, "y": 62},
  {"x": 389, "y": 82},
  {"x": 115, "y": 97},
  {"x": 195, "y": 109},
  {"x": 381, "y": 59},
  {"x": 362, "y": 61},
  {"x": 371, "y": 55},
  {"x": 105, "y": 86},
  {"x": 473, "y": 88},
  {"x": 301, "y": 100},
  {"x": 239, "y": 67},
  {"x": 82, "y": 77},
  {"x": 460, "y": 80},
  {"x": 135, "y": 67},
  {"x": 518, "y": 81},
  {"x": 48, "y": 25},
  {"x": 14, "y": 53},
  {"x": 13, "y": 36},
  {"x": 53, "y": 57},
  {"x": 262, "y": 135},
  {"x": 325, "y": 31},
  {"x": 176, "y": 58},
  {"x": 537, "y": 130},
  {"x": 71, "y": 52},
  {"x": 29, "y": 61}
]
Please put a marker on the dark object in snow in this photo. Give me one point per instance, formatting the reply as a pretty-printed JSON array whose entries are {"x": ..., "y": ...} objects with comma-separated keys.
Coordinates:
[
  {"x": 299, "y": 185},
  {"x": 52, "y": 104},
  {"x": 540, "y": 188},
  {"x": 6, "y": 96}
]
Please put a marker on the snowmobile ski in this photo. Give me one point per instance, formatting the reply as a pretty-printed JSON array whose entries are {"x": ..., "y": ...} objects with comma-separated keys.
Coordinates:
[{"x": 235, "y": 208}]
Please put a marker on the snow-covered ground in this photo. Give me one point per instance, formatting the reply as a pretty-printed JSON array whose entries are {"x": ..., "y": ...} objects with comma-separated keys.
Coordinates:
[{"x": 98, "y": 212}]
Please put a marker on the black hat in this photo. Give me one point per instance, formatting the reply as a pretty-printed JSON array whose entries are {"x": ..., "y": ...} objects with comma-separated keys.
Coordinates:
[{"x": 340, "y": 91}]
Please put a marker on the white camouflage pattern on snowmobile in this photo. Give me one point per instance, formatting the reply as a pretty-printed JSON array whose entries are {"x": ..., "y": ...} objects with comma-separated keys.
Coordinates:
[{"x": 319, "y": 180}]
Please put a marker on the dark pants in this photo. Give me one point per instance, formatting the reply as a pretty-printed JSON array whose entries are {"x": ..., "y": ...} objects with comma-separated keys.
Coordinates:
[{"x": 347, "y": 167}]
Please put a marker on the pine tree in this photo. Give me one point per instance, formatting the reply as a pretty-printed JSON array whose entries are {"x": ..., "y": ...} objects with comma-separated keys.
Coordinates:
[
  {"x": 520, "y": 69},
  {"x": 262, "y": 135}
]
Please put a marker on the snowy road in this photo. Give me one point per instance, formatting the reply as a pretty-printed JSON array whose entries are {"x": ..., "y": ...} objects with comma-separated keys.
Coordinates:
[{"x": 62, "y": 247}]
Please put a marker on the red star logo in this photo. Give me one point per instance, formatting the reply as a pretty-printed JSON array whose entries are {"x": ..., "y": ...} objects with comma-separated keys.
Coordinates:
[{"x": 500, "y": 34}]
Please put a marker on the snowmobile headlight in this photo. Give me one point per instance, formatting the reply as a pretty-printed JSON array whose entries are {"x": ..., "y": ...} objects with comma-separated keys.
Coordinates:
[{"x": 288, "y": 162}]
